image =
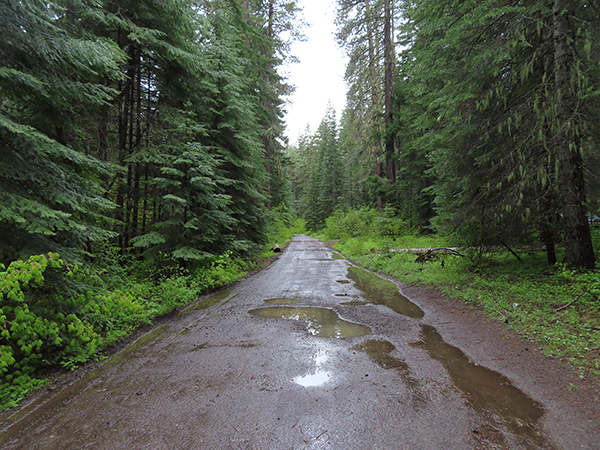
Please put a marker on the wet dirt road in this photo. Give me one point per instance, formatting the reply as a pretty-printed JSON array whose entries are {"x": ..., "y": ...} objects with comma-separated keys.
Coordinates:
[{"x": 313, "y": 353}]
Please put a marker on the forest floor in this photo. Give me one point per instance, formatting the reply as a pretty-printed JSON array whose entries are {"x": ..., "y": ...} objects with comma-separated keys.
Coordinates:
[{"x": 312, "y": 352}]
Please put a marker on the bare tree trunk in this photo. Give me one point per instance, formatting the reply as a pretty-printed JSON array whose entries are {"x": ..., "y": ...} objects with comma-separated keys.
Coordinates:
[
  {"x": 578, "y": 243},
  {"x": 380, "y": 200}
]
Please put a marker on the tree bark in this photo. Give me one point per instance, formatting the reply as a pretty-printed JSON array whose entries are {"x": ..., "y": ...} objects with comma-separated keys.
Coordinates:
[
  {"x": 388, "y": 99},
  {"x": 578, "y": 243},
  {"x": 266, "y": 138}
]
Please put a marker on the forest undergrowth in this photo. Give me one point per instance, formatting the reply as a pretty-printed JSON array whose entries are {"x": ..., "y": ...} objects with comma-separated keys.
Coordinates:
[
  {"x": 553, "y": 306},
  {"x": 56, "y": 315}
]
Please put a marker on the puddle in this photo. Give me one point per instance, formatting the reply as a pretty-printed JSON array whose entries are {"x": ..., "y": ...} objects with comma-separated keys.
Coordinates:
[
  {"x": 355, "y": 303},
  {"x": 320, "y": 377},
  {"x": 320, "y": 322},
  {"x": 343, "y": 281},
  {"x": 380, "y": 353},
  {"x": 486, "y": 391},
  {"x": 282, "y": 301},
  {"x": 383, "y": 292}
]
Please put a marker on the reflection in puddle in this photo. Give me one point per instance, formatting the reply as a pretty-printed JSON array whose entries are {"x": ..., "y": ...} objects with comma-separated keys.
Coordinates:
[
  {"x": 282, "y": 301},
  {"x": 321, "y": 322},
  {"x": 380, "y": 352},
  {"x": 355, "y": 303},
  {"x": 320, "y": 377},
  {"x": 488, "y": 392},
  {"x": 382, "y": 292}
]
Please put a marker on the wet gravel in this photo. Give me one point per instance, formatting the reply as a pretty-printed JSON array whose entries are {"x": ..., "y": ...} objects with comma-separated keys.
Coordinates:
[{"x": 445, "y": 378}]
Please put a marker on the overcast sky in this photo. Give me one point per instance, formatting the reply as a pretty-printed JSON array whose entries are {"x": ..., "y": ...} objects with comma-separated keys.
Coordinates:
[{"x": 319, "y": 76}]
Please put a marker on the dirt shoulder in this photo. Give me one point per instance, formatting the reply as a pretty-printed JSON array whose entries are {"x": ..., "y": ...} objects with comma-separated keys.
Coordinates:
[{"x": 493, "y": 344}]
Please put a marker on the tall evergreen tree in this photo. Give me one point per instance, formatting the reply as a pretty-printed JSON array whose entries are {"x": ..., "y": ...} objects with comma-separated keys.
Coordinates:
[
  {"x": 50, "y": 72},
  {"x": 487, "y": 74},
  {"x": 365, "y": 31},
  {"x": 270, "y": 27}
]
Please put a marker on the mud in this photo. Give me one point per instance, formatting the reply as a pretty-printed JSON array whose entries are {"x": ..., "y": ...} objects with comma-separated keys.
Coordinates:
[{"x": 221, "y": 378}]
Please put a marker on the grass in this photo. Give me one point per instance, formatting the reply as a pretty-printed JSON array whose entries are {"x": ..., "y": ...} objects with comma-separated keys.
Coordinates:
[{"x": 554, "y": 307}]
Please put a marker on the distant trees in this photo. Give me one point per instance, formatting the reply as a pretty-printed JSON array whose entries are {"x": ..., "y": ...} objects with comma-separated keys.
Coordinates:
[
  {"x": 318, "y": 172},
  {"x": 490, "y": 129},
  {"x": 149, "y": 124}
]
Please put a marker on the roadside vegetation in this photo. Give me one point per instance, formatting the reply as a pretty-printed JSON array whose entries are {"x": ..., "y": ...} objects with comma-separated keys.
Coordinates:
[
  {"x": 54, "y": 316},
  {"x": 142, "y": 165},
  {"x": 553, "y": 306}
]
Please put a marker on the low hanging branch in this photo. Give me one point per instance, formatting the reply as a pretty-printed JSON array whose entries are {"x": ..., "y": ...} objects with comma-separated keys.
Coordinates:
[{"x": 511, "y": 251}]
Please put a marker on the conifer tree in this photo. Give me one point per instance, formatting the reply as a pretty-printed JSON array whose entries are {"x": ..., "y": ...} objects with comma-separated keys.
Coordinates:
[
  {"x": 50, "y": 72},
  {"x": 487, "y": 75}
]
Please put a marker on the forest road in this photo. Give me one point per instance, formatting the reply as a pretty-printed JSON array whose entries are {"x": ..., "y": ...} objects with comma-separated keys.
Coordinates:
[{"x": 353, "y": 365}]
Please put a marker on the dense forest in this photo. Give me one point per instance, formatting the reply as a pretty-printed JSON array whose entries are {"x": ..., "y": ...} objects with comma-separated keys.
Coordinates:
[
  {"x": 141, "y": 149},
  {"x": 144, "y": 161},
  {"x": 478, "y": 119},
  {"x": 149, "y": 126}
]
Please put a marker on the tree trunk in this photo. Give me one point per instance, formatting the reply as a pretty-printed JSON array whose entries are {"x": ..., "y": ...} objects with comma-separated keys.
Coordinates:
[
  {"x": 266, "y": 138},
  {"x": 374, "y": 81},
  {"x": 389, "y": 72},
  {"x": 380, "y": 200},
  {"x": 578, "y": 243}
]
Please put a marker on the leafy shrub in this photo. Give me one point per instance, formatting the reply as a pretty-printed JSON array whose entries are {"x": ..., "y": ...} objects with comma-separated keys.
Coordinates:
[
  {"x": 389, "y": 225},
  {"x": 220, "y": 271},
  {"x": 54, "y": 314},
  {"x": 37, "y": 330},
  {"x": 356, "y": 222}
]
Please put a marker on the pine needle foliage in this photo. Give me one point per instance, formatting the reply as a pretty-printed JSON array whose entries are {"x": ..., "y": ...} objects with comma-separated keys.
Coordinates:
[{"x": 50, "y": 196}]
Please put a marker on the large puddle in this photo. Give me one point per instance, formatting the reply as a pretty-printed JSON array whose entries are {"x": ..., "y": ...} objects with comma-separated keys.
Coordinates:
[
  {"x": 380, "y": 352},
  {"x": 378, "y": 291},
  {"x": 320, "y": 322},
  {"x": 486, "y": 391}
]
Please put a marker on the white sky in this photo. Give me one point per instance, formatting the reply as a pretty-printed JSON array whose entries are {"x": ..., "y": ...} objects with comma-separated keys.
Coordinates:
[{"x": 319, "y": 74}]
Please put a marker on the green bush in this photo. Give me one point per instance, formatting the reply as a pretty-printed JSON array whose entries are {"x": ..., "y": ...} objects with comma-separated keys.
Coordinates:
[
  {"x": 389, "y": 225},
  {"x": 53, "y": 314},
  {"x": 37, "y": 329},
  {"x": 353, "y": 223}
]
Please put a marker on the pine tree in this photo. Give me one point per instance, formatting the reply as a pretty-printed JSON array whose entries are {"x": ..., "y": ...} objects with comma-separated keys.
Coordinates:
[
  {"x": 487, "y": 74},
  {"x": 50, "y": 71}
]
